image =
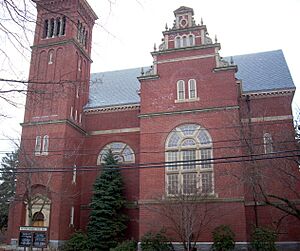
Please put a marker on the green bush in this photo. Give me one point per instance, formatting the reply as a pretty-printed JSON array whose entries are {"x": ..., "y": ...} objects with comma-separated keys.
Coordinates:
[
  {"x": 263, "y": 239},
  {"x": 125, "y": 246},
  {"x": 155, "y": 242},
  {"x": 77, "y": 242},
  {"x": 223, "y": 238}
]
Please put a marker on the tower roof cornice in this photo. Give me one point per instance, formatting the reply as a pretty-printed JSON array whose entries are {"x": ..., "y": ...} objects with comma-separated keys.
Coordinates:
[{"x": 183, "y": 10}]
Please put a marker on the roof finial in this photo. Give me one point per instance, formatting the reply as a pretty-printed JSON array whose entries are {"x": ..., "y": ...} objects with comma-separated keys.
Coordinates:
[
  {"x": 142, "y": 71},
  {"x": 154, "y": 47},
  {"x": 231, "y": 60},
  {"x": 216, "y": 39},
  {"x": 201, "y": 21},
  {"x": 166, "y": 27}
]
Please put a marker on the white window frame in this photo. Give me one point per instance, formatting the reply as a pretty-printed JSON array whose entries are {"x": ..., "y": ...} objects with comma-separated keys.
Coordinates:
[
  {"x": 45, "y": 147},
  {"x": 121, "y": 153},
  {"x": 190, "y": 88},
  {"x": 180, "y": 90},
  {"x": 177, "y": 42},
  {"x": 175, "y": 152},
  {"x": 191, "y": 40},
  {"x": 38, "y": 145}
]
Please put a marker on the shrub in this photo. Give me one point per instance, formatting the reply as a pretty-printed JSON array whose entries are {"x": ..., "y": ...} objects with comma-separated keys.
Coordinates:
[
  {"x": 223, "y": 238},
  {"x": 77, "y": 242},
  {"x": 125, "y": 246},
  {"x": 263, "y": 239},
  {"x": 155, "y": 242}
]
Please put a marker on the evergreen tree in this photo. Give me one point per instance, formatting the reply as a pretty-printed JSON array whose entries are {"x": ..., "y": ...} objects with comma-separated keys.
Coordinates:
[
  {"x": 107, "y": 222},
  {"x": 7, "y": 185}
]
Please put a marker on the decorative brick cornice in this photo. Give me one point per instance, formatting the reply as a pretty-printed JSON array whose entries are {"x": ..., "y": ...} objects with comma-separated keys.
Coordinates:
[
  {"x": 115, "y": 108},
  {"x": 191, "y": 48},
  {"x": 210, "y": 109},
  {"x": 64, "y": 42},
  {"x": 260, "y": 94},
  {"x": 55, "y": 122}
]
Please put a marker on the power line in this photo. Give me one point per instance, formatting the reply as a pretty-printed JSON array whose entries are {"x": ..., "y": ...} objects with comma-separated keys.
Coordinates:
[{"x": 219, "y": 160}]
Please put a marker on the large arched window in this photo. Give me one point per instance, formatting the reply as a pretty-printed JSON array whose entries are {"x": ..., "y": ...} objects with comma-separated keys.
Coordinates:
[
  {"x": 122, "y": 152},
  {"x": 188, "y": 155}
]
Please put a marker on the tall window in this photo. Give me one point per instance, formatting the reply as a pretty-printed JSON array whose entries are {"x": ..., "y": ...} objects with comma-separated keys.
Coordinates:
[
  {"x": 268, "y": 143},
  {"x": 122, "y": 152},
  {"x": 38, "y": 145},
  {"x": 45, "y": 145},
  {"x": 177, "y": 42},
  {"x": 189, "y": 168},
  {"x": 180, "y": 90},
  {"x": 191, "y": 40},
  {"x": 192, "y": 89},
  {"x": 184, "y": 41}
]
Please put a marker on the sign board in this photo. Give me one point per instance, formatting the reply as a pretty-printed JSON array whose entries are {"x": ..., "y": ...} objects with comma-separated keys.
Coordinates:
[
  {"x": 33, "y": 237},
  {"x": 43, "y": 229},
  {"x": 40, "y": 239},
  {"x": 25, "y": 239}
]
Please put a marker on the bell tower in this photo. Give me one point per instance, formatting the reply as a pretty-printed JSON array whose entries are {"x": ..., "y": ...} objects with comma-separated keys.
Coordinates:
[
  {"x": 60, "y": 65},
  {"x": 53, "y": 127}
]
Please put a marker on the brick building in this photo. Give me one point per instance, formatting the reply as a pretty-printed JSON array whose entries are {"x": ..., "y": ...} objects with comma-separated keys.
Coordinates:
[{"x": 192, "y": 123}]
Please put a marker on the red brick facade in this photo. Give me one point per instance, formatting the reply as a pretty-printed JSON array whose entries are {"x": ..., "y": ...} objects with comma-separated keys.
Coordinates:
[{"x": 235, "y": 121}]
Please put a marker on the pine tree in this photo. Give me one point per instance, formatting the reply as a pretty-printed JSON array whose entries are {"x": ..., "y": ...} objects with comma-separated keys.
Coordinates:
[
  {"x": 107, "y": 222},
  {"x": 7, "y": 185}
]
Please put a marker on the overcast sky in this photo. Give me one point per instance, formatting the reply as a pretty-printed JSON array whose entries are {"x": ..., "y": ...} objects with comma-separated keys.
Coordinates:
[{"x": 127, "y": 30}]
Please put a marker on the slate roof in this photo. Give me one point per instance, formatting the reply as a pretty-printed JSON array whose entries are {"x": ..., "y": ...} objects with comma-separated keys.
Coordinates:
[{"x": 265, "y": 71}]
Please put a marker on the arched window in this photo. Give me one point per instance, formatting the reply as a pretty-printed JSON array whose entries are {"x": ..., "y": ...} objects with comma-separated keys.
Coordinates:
[
  {"x": 58, "y": 24},
  {"x": 64, "y": 24},
  {"x": 122, "y": 152},
  {"x": 45, "y": 145},
  {"x": 189, "y": 169},
  {"x": 177, "y": 42},
  {"x": 180, "y": 90},
  {"x": 38, "y": 219},
  {"x": 192, "y": 89},
  {"x": 38, "y": 145},
  {"x": 46, "y": 26},
  {"x": 191, "y": 40},
  {"x": 184, "y": 41},
  {"x": 268, "y": 143},
  {"x": 51, "y": 31}
]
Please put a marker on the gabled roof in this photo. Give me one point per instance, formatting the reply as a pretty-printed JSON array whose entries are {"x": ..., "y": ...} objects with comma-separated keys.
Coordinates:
[{"x": 259, "y": 72}]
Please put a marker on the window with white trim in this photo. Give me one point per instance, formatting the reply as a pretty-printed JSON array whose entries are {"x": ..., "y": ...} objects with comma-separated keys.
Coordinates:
[
  {"x": 189, "y": 168},
  {"x": 180, "y": 90},
  {"x": 192, "y": 89},
  {"x": 268, "y": 143},
  {"x": 191, "y": 40},
  {"x": 177, "y": 42},
  {"x": 45, "y": 145},
  {"x": 38, "y": 145},
  {"x": 122, "y": 152},
  {"x": 184, "y": 41}
]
